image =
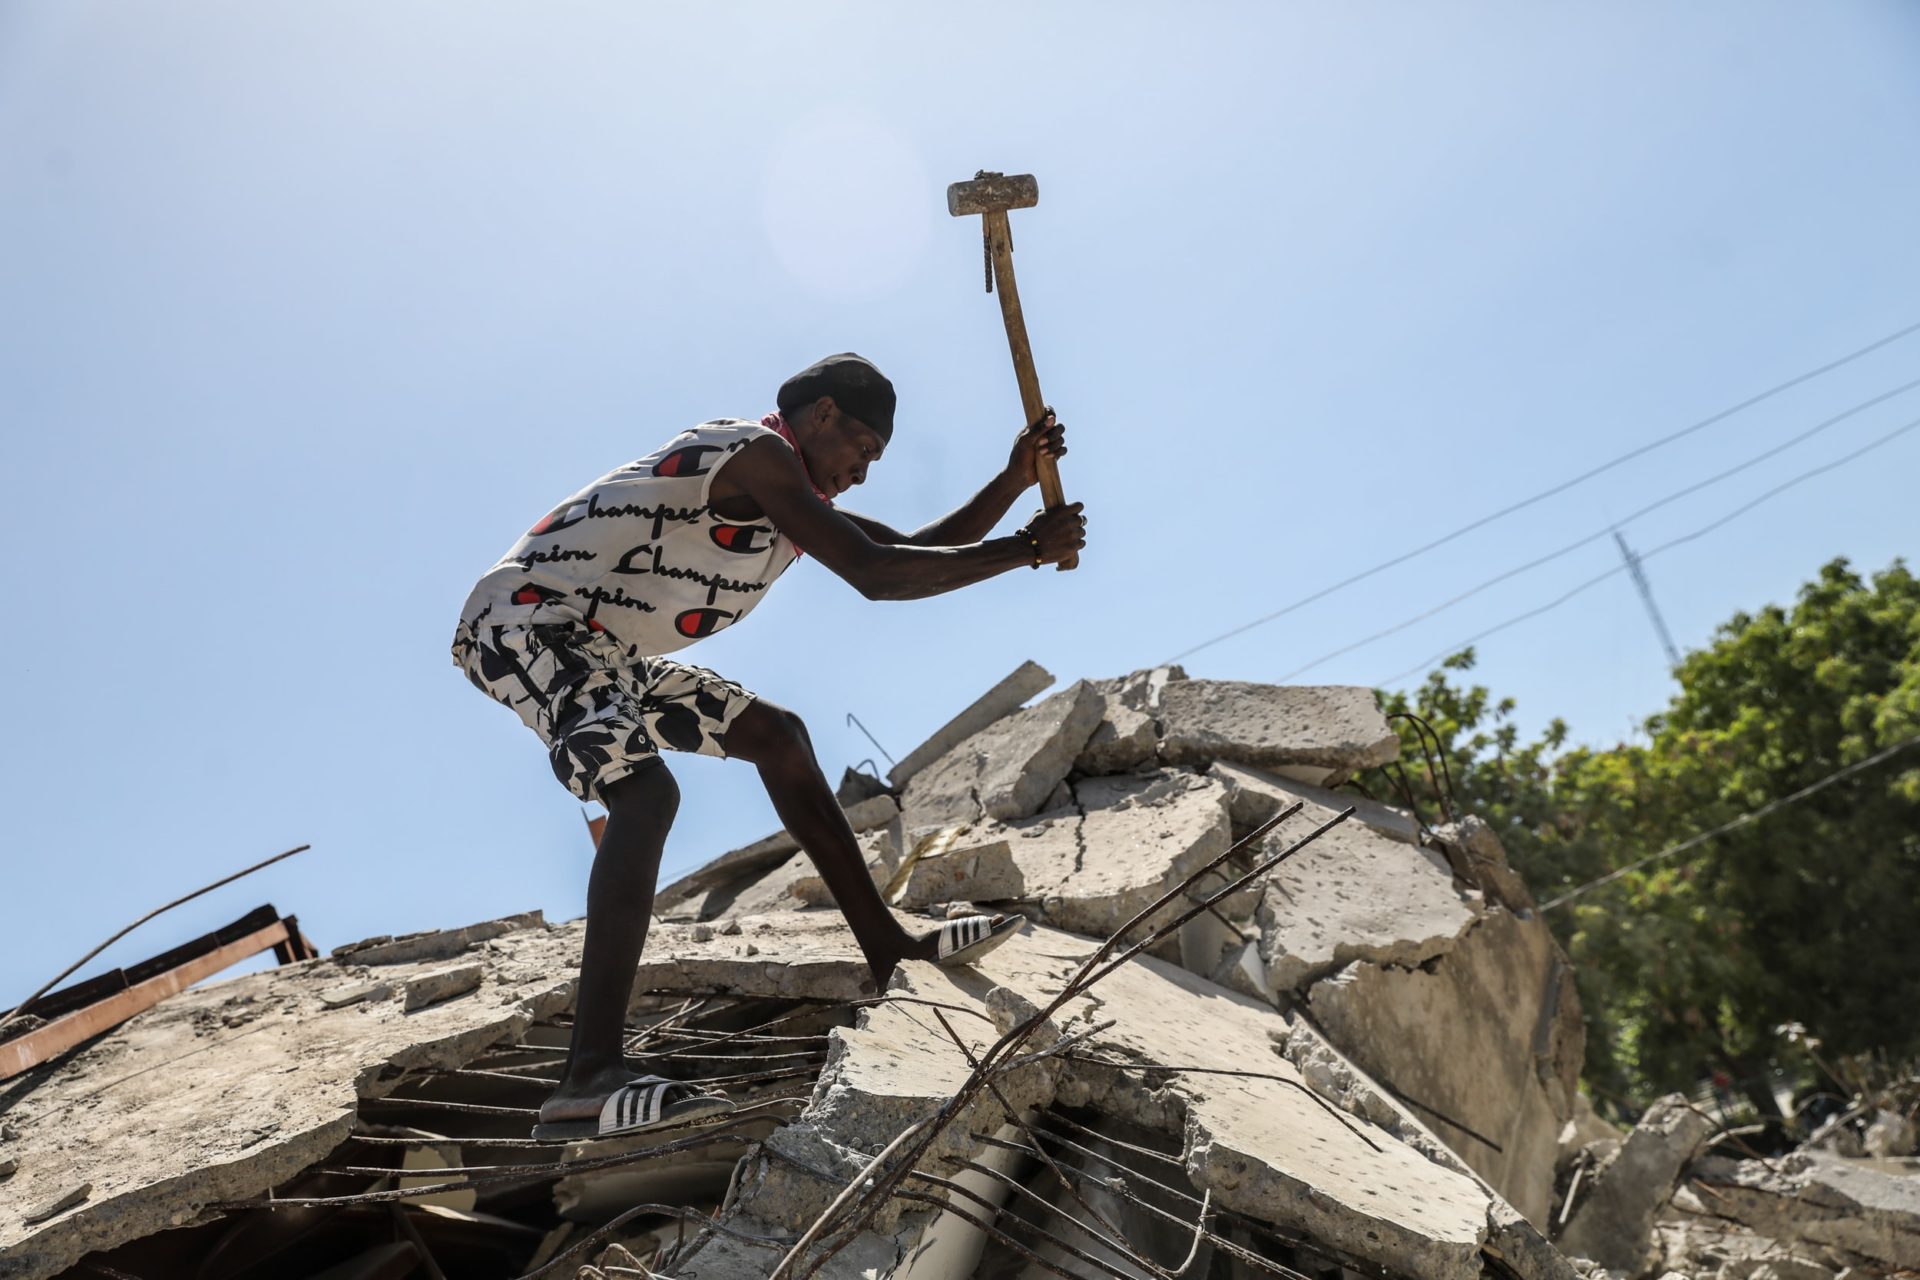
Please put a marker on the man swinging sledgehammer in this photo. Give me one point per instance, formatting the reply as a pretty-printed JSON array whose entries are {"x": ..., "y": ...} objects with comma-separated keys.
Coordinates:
[{"x": 571, "y": 629}]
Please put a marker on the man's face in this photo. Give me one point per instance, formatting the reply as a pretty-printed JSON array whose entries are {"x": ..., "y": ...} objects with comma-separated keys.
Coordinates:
[{"x": 841, "y": 449}]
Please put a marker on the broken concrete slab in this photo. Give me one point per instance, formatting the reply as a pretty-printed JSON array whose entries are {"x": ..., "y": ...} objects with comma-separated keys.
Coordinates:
[
  {"x": 1257, "y": 1140},
  {"x": 432, "y": 987},
  {"x": 1611, "y": 1218},
  {"x": 1128, "y": 734},
  {"x": 1001, "y": 701},
  {"x": 1478, "y": 858},
  {"x": 895, "y": 1067},
  {"x": 353, "y": 993},
  {"x": 1353, "y": 895},
  {"x": 796, "y": 882},
  {"x": 1337, "y": 728},
  {"x": 1485, "y": 1042},
  {"x": 1007, "y": 769},
  {"x": 1258, "y": 794},
  {"x": 162, "y": 1127},
  {"x": 710, "y": 891},
  {"x": 1087, "y": 869},
  {"x": 434, "y": 944},
  {"x": 71, "y": 1198},
  {"x": 1856, "y": 1214}
]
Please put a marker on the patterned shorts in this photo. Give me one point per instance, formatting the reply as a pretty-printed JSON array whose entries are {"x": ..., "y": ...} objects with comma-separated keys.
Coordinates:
[{"x": 601, "y": 714}]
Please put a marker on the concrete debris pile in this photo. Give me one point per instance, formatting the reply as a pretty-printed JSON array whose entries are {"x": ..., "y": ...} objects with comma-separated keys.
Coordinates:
[{"x": 1245, "y": 1034}]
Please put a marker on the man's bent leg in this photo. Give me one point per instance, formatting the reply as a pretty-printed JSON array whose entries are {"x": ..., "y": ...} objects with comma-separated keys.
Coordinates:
[
  {"x": 775, "y": 741},
  {"x": 640, "y": 809}
]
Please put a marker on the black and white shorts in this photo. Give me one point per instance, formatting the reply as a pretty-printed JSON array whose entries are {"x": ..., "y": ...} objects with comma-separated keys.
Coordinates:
[{"x": 601, "y": 714}]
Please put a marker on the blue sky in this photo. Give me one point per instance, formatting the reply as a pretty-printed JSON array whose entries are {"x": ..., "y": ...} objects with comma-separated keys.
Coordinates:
[{"x": 306, "y": 311}]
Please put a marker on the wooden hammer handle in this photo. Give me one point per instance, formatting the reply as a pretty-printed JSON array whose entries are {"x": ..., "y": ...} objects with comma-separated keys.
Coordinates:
[{"x": 1000, "y": 244}]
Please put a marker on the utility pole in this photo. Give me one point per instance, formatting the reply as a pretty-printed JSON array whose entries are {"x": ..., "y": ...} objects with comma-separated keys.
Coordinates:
[{"x": 1646, "y": 597}]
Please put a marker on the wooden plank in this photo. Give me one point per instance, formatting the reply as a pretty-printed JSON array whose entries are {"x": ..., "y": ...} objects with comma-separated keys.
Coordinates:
[
  {"x": 93, "y": 990},
  {"x": 83, "y": 1024}
]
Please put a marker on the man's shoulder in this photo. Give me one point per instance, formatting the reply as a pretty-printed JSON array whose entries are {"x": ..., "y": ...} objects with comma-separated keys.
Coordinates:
[{"x": 692, "y": 450}]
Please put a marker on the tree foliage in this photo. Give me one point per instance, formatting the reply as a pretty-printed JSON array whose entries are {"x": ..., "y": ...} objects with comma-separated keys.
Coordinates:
[{"x": 1690, "y": 964}]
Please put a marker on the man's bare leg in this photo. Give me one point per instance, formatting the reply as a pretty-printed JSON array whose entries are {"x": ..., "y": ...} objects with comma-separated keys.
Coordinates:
[
  {"x": 774, "y": 740},
  {"x": 640, "y": 809}
]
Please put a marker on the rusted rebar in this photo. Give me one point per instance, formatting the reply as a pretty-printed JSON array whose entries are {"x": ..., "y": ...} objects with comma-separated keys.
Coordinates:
[{"x": 866, "y": 1194}]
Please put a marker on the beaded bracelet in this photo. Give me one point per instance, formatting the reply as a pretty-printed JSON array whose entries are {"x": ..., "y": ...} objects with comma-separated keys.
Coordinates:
[{"x": 1024, "y": 532}]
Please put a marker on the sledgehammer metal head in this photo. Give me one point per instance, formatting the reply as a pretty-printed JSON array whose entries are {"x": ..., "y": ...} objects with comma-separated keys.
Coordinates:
[{"x": 991, "y": 192}]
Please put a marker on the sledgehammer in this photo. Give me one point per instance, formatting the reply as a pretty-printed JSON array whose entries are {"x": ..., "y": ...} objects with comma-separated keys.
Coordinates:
[{"x": 991, "y": 195}]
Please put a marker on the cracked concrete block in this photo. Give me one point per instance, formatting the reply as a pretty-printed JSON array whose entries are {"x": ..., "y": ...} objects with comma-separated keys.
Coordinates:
[
  {"x": 71, "y": 1198},
  {"x": 297, "y": 1071},
  {"x": 1478, "y": 857},
  {"x": 893, "y": 1068},
  {"x": 1612, "y": 1217},
  {"x": 795, "y": 882},
  {"x": 1129, "y": 728},
  {"x": 712, "y": 890},
  {"x": 1334, "y": 727},
  {"x": 1521, "y": 1246},
  {"x": 881, "y": 852},
  {"x": 1088, "y": 869},
  {"x": 434, "y": 944},
  {"x": 1007, "y": 769},
  {"x": 1257, "y": 1141},
  {"x": 1353, "y": 895},
  {"x": 1460, "y": 1038},
  {"x": 353, "y": 993},
  {"x": 804, "y": 955},
  {"x": 1852, "y": 1211},
  {"x": 995, "y": 704},
  {"x": 1257, "y": 795},
  {"x": 442, "y": 984}
]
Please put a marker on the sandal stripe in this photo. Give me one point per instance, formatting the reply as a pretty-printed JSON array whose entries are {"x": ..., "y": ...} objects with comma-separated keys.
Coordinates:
[
  {"x": 639, "y": 1103},
  {"x": 957, "y": 935}
]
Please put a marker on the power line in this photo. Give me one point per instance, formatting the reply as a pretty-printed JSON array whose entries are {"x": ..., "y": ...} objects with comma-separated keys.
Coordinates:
[
  {"x": 1544, "y": 494},
  {"x": 1741, "y": 821},
  {"x": 1668, "y": 545},
  {"x": 1598, "y": 534}
]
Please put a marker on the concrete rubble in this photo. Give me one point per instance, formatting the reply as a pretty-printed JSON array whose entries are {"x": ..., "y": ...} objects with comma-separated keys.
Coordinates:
[
  {"x": 1362, "y": 1062},
  {"x": 1611, "y": 1220}
]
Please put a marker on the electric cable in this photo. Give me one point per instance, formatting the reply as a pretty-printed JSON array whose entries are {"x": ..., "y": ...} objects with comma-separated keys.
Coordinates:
[
  {"x": 1544, "y": 494},
  {"x": 1598, "y": 534},
  {"x": 1668, "y": 545},
  {"x": 1752, "y": 816}
]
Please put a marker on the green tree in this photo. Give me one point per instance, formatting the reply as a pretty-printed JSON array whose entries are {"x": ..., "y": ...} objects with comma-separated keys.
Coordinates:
[{"x": 1691, "y": 963}]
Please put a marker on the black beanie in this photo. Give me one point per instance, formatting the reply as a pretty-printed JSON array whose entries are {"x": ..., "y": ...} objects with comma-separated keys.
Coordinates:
[{"x": 855, "y": 385}]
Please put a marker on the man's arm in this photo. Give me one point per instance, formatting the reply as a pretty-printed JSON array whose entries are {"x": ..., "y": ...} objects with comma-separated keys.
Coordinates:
[
  {"x": 768, "y": 472},
  {"x": 974, "y": 519}
]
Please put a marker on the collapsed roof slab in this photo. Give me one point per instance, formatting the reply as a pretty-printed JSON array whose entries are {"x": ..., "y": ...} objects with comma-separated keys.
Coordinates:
[
  {"x": 225, "y": 1090},
  {"x": 1008, "y": 769},
  {"x": 1857, "y": 1214},
  {"x": 1183, "y": 1054},
  {"x": 1258, "y": 794},
  {"x": 1090, "y": 868},
  {"x": 1329, "y": 729},
  {"x": 1354, "y": 895},
  {"x": 1485, "y": 1041},
  {"x": 1128, "y": 735}
]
